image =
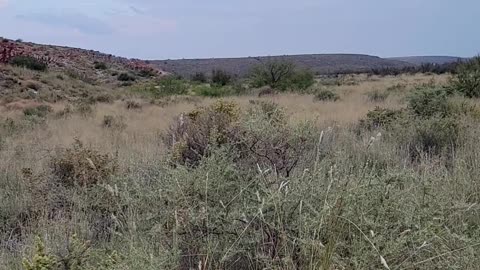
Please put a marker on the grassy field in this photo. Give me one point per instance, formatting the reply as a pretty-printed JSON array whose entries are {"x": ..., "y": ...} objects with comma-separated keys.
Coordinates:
[{"x": 379, "y": 173}]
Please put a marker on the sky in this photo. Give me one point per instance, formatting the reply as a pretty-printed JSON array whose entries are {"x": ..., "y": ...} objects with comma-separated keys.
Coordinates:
[{"x": 175, "y": 29}]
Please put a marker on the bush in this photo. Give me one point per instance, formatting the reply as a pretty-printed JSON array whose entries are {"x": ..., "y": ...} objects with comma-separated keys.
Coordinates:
[
  {"x": 39, "y": 111},
  {"x": 467, "y": 78},
  {"x": 29, "y": 62},
  {"x": 326, "y": 95},
  {"x": 133, "y": 105},
  {"x": 272, "y": 73},
  {"x": 114, "y": 122},
  {"x": 434, "y": 136},
  {"x": 301, "y": 80},
  {"x": 281, "y": 75},
  {"x": 211, "y": 91},
  {"x": 199, "y": 77},
  {"x": 429, "y": 102},
  {"x": 125, "y": 77},
  {"x": 381, "y": 118},
  {"x": 221, "y": 77},
  {"x": 377, "y": 96},
  {"x": 82, "y": 166},
  {"x": 100, "y": 65},
  {"x": 170, "y": 86},
  {"x": 191, "y": 135}
]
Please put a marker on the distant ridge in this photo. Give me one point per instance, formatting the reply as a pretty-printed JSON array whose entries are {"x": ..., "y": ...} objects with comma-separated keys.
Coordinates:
[
  {"x": 318, "y": 63},
  {"x": 418, "y": 60}
]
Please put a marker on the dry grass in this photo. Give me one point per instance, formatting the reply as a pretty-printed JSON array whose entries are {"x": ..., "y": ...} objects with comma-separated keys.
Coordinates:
[{"x": 354, "y": 202}]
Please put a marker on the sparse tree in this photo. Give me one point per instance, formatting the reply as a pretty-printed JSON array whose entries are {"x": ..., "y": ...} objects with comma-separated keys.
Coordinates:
[{"x": 272, "y": 73}]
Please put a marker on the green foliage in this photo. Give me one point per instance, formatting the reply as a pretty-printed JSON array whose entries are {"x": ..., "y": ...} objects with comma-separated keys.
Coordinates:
[
  {"x": 38, "y": 111},
  {"x": 211, "y": 91},
  {"x": 381, "y": 118},
  {"x": 41, "y": 260},
  {"x": 429, "y": 102},
  {"x": 170, "y": 86},
  {"x": 125, "y": 77},
  {"x": 199, "y": 77},
  {"x": 281, "y": 75},
  {"x": 29, "y": 62},
  {"x": 467, "y": 78},
  {"x": 80, "y": 165},
  {"x": 221, "y": 77},
  {"x": 377, "y": 95},
  {"x": 434, "y": 136},
  {"x": 326, "y": 95},
  {"x": 100, "y": 65}
]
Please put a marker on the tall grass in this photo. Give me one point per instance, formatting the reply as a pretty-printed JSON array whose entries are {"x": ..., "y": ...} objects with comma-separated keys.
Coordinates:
[{"x": 353, "y": 197}]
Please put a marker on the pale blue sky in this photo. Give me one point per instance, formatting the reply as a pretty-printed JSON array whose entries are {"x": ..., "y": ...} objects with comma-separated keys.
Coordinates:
[{"x": 160, "y": 29}]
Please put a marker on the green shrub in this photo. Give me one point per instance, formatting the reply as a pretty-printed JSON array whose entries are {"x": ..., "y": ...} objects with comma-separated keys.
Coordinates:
[
  {"x": 326, "y": 95},
  {"x": 221, "y": 77},
  {"x": 429, "y": 102},
  {"x": 272, "y": 73},
  {"x": 434, "y": 136},
  {"x": 125, "y": 77},
  {"x": 199, "y": 77},
  {"x": 41, "y": 260},
  {"x": 100, "y": 65},
  {"x": 80, "y": 165},
  {"x": 301, "y": 80},
  {"x": 29, "y": 62},
  {"x": 211, "y": 91},
  {"x": 38, "y": 111},
  {"x": 170, "y": 86},
  {"x": 281, "y": 75},
  {"x": 467, "y": 78},
  {"x": 381, "y": 118},
  {"x": 377, "y": 96}
]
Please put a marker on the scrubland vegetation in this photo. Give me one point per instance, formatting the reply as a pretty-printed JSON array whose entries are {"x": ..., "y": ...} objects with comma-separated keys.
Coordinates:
[{"x": 269, "y": 172}]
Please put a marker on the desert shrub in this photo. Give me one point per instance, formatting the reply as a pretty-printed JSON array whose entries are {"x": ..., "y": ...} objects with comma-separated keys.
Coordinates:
[
  {"x": 33, "y": 85},
  {"x": 41, "y": 260},
  {"x": 381, "y": 118},
  {"x": 133, "y": 105},
  {"x": 211, "y": 91},
  {"x": 272, "y": 73},
  {"x": 221, "y": 77},
  {"x": 266, "y": 91},
  {"x": 29, "y": 62},
  {"x": 467, "y": 78},
  {"x": 301, "y": 80},
  {"x": 199, "y": 77},
  {"x": 281, "y": 75},
  {"x": 377, "y": 96},
  {"x": 114, "y": 122},
  {"x": 103, "y": 98},
  {"x": 429, "y": 102},
  {"x": 38, "y": 111},
  {"x": 83, "y": 166},
  {"x": 169, "y": 86},
  {"x": 434, "y": 136},
  {"x": 191, "y": 135},
  {"x": 125, "y": 77},
  {"x": 147, "y": 73},
  {"x": 84, "y": 108},
  {"x": 396, "y": 88},
  {"x": 326, "y": 95},
  {"x": 79, "y": 255},
  {"x": 100, "y": 65}
]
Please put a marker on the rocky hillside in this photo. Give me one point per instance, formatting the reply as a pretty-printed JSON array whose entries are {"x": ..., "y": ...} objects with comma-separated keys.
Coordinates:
[{"x": 318, "y": 63}]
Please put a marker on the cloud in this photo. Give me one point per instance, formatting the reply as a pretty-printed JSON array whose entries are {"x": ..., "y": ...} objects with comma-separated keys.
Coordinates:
[{"x": 78, "y": 22}]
